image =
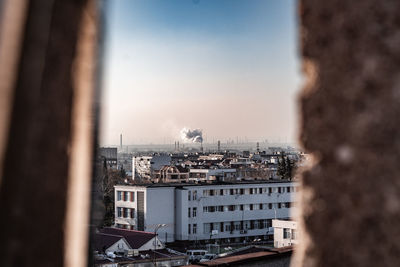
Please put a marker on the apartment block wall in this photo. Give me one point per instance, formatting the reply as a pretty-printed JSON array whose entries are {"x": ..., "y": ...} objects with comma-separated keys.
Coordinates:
[{"x": 187, "y": 211}]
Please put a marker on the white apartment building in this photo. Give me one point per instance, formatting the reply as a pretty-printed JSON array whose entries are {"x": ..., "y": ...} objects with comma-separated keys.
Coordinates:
[
  {"x": 228, "y": 212},
  {"x": 285, "y": 233}
]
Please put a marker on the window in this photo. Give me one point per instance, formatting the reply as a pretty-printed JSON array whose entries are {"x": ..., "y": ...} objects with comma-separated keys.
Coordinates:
[
  {"x": 126, "y": 213},
  {"x": 241, "y": 207},
  {"x": 270, "y": 190},
  {"x": 189, "y": 212},
  {"x": 221, "y": 192},
  {"x": 261, "y": 206},
  {"x": 231, "y": 191},
  {"x": 132, "y": 196},
  {"x": 279, "y": 190},
  {"x": 294, "y": 234},
  {"x": 194, "y": 212},
  {"x": 221, "y": 227},
  {"x": 260, "y": 190},
  {"x": 132, "y": 213},
  {"x": 279, "y": 205},
  {"x": 251, "y": 207},
  {"x": 269, "y": 205},
  {"x": 237, "y": 226},
  {"x": 251, "y": 191},
  {"x": 261, "y": 224},
  {"x": 195, "y": 195},
  {"x": 189, "y": 195},
  {"x": 288, "y": 189},
  {"x": 119, "y": 195},
  {"x": 119, "y": 211},
  {"x": 126, "y": 196},
  {"x": 194, "y": 228},
  {"x": 189, "y": 229},
  {"x": 207, "y": 228},
  {"x": 286, "y": 233},
  {"x": 242, "y": 191},
  {"x": 220, "y": 208},
  {"x": 232, "y": 207}
]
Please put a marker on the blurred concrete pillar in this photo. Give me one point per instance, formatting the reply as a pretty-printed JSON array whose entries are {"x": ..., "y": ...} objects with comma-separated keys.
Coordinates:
[
  {"x": 46, "y": 138},
  {"x": 350, "y": 122}
]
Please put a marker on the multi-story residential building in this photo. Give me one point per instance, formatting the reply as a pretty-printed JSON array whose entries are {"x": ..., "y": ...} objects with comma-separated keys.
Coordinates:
[
  {"x": 144, "y": 166},
  {"x": 228, "y": 212}
]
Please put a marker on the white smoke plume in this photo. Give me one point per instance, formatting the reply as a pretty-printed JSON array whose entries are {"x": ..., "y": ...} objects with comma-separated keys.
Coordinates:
[{"x": 194, "y": 136}]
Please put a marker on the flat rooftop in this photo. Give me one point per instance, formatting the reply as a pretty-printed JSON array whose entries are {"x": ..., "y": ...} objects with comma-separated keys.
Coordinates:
[{"x": 209, "y": 183}]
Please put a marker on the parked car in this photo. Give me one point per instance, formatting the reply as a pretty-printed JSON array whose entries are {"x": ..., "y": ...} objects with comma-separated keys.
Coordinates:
[
  {"x": 208, "y": 257},
  {"x": 196, "y": 255}
]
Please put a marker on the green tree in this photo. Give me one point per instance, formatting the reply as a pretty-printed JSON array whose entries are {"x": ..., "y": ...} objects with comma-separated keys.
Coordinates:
[
  {"x": 282, "y": 166},
  {"x": 289, "y": 169}
]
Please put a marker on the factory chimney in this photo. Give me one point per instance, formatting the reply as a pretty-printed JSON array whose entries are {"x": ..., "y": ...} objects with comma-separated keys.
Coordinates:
[
  {"x": 120, "y": 141},
  {"x": 258, "y": 148},
  {"x": 219, "y": 145}
]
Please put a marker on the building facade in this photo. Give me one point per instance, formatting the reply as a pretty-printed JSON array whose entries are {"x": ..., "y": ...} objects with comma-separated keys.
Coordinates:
[
  {"x": 285, "y": 233},
  {"x": 223, "y": 211}
]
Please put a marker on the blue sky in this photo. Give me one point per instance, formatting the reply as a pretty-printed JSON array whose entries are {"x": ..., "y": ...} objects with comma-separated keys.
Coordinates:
[{"x": 227, "y": 67}]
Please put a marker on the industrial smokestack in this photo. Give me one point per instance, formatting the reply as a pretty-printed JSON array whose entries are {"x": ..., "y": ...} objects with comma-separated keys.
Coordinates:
[
  {"x": 219, "y": 145},
  {"x": 258, "y": 147},
  {"x": 120, "y": 141}
]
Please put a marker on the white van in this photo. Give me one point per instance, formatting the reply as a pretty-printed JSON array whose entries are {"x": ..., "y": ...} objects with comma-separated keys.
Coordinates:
[{"x": 196, "y": 255}]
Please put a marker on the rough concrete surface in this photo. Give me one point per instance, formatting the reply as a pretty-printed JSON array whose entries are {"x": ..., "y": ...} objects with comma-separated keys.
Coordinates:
[{"x": 350, "y": 121}]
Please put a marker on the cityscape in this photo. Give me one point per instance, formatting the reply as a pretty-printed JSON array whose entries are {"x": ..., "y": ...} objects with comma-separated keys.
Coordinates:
[
  {"x": 198, "y": 160},
  {"x": 197, "y": 203},
  {"x": 166, "y": 133}
]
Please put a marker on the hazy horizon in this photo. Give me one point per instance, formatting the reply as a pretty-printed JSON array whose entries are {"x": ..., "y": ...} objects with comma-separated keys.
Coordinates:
[{"x": 229, "y": 68}]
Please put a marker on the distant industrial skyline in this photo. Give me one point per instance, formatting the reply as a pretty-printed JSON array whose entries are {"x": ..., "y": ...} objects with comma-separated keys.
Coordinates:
[{"x": 229, "y": 68}]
